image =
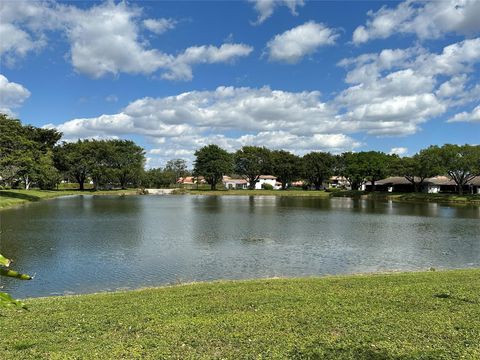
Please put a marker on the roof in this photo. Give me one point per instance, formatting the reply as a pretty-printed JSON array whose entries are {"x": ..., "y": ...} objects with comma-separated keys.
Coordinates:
[
  {"x": 268, "y": 177},
  {"x": 235, "y": 181},
  {"x": 436, "y": 180}
]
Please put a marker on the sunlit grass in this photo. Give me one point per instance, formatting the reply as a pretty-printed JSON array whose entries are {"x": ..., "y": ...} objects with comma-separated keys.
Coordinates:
[{"x": 430, "y": 315}]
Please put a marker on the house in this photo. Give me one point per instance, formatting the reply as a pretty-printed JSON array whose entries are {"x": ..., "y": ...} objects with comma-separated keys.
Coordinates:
[
  {"x": 234, "y": 184},
  {"x": 190, "y": 180},
  {"x": 337, "y": 182},
  {"x": 268, "y": 179},
  {"x": 392, "y": 184},
  {"x": 432, "y": 185}
]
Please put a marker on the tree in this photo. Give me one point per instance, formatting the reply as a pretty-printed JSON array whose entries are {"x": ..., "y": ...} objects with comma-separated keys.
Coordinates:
[
  {"x": 352, "y": 167},
  {"x": 425, "y": 164},
  {"x": 212, "y": 162},
  {"x": 25, "y": 151},
  {"x": 178, "y": 169},
  {"x": 377, "y": 165},
  {"x": 461, "y": 162},
  {"x": 157, "y": 178},
  {"x": 72, "y": 159},
  {"x": 127, "y": 160},
  {"x": 318, "y": 167},
  {"x": 252, "y": 161},
  {"x": 286, "y": 166}
]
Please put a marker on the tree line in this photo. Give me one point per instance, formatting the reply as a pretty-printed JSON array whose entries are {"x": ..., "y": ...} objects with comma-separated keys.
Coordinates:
[
  {"x": 460, "y": 162},
  {"x": 31, "y": 155}
]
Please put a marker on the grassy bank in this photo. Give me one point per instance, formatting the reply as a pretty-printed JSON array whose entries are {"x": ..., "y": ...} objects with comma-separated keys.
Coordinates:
[
  {"x": 411, "y": 197},
  {"x": 311, "y": 193},
  {"x": 429, "y": 315},
  {"x": 9, "y": 198}
]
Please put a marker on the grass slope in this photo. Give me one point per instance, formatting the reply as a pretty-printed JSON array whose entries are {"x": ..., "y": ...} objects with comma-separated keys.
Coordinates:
[
  {"x": 9, "y": 198},
  {"x": 430, "y": 315}
]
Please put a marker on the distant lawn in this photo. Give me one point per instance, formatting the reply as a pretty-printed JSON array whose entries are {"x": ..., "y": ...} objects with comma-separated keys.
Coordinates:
[
  {"x": 289, "y": 192},
  {"x": 429, "y": 315},
  {"x": 9, "y": 198}
]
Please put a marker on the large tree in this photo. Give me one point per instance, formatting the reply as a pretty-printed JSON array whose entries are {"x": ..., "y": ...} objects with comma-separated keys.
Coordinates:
[
  {"x": 72, "y": 159},
  {"x": 212, "y": 162},
  {"x": 286, "y": 166},
  {"x": 318, "y": 167},
  {"x": 26, "y": 152},
  {"x": 425, "y": 164},
  {"x": 377, "y": 165},
  {"x": 127, "y": 160},
  {"x": 252, "y": 161},
  {"x": 461, "y": 162},
  {"x": 352, "y": 167}
]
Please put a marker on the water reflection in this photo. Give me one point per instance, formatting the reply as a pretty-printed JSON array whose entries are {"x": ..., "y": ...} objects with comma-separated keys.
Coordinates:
[{"x": 83, "y": 244}]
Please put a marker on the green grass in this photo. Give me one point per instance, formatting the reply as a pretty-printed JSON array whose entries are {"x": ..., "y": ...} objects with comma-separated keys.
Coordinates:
[
  {"x": 429, "y": 315},
  {"x": 312, "y": 193},
  {"x": 9, "y": 198}
]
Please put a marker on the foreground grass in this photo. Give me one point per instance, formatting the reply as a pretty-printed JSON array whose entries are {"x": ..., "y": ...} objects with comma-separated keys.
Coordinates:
[
  {"x": 9, "y": 198},
  {"x": 431, "y": 315}
]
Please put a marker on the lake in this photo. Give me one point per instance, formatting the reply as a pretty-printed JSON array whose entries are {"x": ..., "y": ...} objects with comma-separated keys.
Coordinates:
[{"x": 84, "y": 244}]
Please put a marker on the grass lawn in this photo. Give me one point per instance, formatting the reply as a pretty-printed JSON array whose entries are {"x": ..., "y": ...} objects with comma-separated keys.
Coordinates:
[
  {"x": 312, "y": 193},
  {"x": 429, "y": 315},
  {"x": 9, "y": 198}
]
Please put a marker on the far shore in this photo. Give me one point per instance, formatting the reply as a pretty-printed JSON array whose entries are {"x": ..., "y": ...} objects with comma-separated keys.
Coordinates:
[{"x": 12, "y": 198}]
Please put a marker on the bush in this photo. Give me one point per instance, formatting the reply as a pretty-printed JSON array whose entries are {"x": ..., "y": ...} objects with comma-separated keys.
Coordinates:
[{"x": 267, "y": 187}]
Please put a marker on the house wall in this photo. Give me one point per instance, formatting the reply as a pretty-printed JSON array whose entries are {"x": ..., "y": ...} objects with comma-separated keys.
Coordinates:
[{"x": 258, "y": 184}]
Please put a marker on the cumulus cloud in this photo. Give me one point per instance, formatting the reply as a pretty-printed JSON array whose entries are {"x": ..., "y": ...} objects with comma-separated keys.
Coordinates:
[
  {"x": 104, "y": 39},
  {"x": 427, "y": 20},
  {"x": 159, "y": 26},
  {"x": 294, "y": 44},
  {"x": 396, "y": 90},
  {"x": 296, "y": 121},
  {"x": 12, "y": 96},
  {"x": 265, "y": 8},
  {"x": 465, "y": 116},
  {"x": 23, "y": 27}
]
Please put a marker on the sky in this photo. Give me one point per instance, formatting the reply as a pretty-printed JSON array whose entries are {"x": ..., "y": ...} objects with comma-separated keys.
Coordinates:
[{"x": 394, "y": 76}]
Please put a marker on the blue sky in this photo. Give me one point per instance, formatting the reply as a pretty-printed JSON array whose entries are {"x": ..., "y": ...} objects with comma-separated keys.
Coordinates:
[{"x": 296, "y": 75}]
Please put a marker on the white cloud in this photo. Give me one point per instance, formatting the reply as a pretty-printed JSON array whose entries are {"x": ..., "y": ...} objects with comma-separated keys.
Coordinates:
[
  {"x": 465, "y": 116},
  {"x": 181, "y": 124},
  {"x": 23, "y": 27},
  {"x": 159, "y": 26},
  {"x": 265, "y": 8},
  {"x": 427, "y": 20},
  {"x": 398, "y": 151},
  {"x": 180, "y": 68},
  {"x": 396, "y": 90},
  {"x": 104, "y": 39},
  {"x": 12, "y": 96},
  {"x": 292, "y": 45}
]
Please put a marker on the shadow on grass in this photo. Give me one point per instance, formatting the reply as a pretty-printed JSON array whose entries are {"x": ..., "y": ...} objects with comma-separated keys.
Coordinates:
[{"x": 23, "y": 196}]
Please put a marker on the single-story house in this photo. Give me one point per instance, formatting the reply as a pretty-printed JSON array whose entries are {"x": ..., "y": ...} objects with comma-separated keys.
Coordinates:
[
  {"x": 190, "y": 180},
  {"x": 234, "y": 184},
  {"x": 432, "y": 185}
]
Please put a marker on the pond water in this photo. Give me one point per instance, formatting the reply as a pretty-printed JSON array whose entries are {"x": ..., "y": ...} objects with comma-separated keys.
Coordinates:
[{"x": 98, "y": 243}]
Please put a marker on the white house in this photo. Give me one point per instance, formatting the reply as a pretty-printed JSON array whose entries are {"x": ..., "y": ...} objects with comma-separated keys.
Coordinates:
[{"x": 268, "y": 179}]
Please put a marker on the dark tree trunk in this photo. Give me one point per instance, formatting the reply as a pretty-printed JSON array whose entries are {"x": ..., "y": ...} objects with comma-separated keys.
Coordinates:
[{"x": 373, "y": 185}]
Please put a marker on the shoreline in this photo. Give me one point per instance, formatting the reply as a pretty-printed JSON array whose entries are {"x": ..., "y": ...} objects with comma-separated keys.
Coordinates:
[
  {"x": 341, "y": 317},
  {"x": 13, "y": 198}
]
